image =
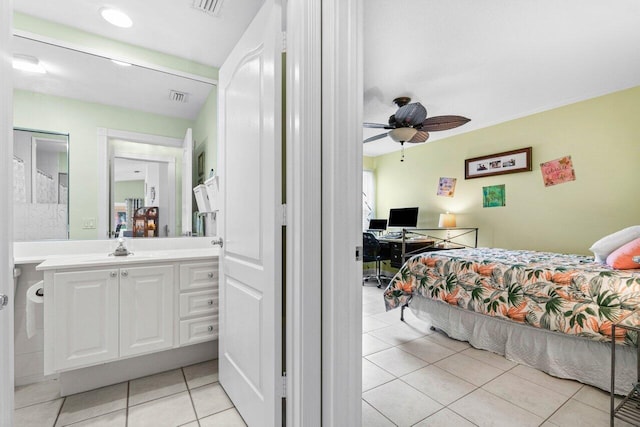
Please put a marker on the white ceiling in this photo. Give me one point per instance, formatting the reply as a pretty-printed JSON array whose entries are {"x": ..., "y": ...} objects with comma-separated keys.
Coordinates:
[
  {"x": 169, "y": 26},
  {"x": 494, "y": 60},
  {"x": 490, "y": 60}
]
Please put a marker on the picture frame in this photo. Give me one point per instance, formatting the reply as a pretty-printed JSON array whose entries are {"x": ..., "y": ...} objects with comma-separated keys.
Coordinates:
[{"x": 498, "y": 164}]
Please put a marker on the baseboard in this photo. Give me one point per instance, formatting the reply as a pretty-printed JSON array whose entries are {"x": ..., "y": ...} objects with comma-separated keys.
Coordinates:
[{"x": 90, "y": 378}]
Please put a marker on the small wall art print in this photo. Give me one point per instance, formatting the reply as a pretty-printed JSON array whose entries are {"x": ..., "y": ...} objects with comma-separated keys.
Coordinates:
[
  {"x": 493, "y": 196},
  {"x": 557, "y": 171},
  {"x": 498, "y": 164},
  {"x": 447, "y": 187}
]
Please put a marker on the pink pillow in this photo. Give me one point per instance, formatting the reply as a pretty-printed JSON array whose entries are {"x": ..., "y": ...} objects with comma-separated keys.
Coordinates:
[{"x": 621, "y": 258}]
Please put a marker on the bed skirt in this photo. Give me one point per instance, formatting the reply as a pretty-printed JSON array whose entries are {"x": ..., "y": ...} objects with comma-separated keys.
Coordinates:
[{"x": 557, "y": 354}]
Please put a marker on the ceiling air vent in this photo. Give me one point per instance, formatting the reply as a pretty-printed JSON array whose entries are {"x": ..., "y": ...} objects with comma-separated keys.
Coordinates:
[
  {"x": 212, "y": 7},
  {"x": 176, "y": 96}
]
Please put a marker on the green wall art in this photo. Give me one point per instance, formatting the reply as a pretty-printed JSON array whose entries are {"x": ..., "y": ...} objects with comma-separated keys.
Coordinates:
[{"x": 493, "y": 196}]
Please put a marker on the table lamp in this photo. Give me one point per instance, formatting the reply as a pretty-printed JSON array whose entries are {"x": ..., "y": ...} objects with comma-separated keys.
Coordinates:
[{"x": 447, "y": 220}]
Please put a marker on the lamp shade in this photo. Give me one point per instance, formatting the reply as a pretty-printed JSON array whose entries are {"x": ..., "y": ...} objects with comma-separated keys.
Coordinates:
[
  {"x": 447, "y": 220},
  {"x": 402, "y": 134}
]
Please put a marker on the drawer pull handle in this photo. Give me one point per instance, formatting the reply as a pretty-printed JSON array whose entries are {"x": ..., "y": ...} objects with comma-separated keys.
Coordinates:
[
  {"x": 113, "y": 274},
  {"x": 210, "y": 328},
  {"x": 210, "y": 302},
  {"x": 210, "y": 275},
  {"x": 125, "y": 273}
]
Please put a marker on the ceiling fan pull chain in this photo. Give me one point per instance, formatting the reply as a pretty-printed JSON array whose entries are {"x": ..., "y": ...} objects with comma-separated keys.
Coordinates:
[{"x": 402, "y": 158}]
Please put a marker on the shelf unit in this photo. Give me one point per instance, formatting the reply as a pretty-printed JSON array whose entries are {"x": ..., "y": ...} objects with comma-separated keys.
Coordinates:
[
  {"x": 145, "y": 222},
  {"x": 629, "y": 409}
]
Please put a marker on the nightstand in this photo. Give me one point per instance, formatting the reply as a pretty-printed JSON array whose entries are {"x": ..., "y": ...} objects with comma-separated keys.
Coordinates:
[{"x": 629, "y": 409}]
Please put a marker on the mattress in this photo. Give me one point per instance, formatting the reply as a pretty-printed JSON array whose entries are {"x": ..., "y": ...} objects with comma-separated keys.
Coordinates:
[{"x": 567, "y": 294}]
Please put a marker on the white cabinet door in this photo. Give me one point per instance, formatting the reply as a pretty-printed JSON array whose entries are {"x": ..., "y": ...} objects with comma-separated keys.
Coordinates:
[
  {"x": 86, "y": 318},
  {"x": 146, "y": 309}
]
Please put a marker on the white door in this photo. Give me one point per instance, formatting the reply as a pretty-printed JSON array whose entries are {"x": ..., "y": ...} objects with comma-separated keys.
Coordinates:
[
  {"x": 187, "y": 191},
  {"x": 85, "y": 326},
  {"x": 250, "y": 101},
  {"x": 146, "y": 309}
]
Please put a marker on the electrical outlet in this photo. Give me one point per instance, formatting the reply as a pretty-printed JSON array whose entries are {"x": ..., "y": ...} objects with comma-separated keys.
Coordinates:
[{"x": 88, "y": 223}]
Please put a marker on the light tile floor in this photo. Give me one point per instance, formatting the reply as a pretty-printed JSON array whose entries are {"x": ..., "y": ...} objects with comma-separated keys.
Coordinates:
[
  {"x": 411, "y": 376},
  {"x": 190, "y": 396}
]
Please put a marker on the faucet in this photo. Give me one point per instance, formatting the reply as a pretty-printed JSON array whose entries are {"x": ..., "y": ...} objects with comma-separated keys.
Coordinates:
[{"x": 121, "y": 250}]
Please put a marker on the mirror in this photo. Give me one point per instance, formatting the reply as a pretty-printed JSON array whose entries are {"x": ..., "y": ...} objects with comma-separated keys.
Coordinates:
[
  {"x": 40, "y": 185},
  {"x": 82, "y": 93}
]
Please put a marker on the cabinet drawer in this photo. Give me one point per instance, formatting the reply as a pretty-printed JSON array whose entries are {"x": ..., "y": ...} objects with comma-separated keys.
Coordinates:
[
  {"x": 199, "y": 275},
  {"x": 198, "y": 330},
  {"x": 199, "y": 303}
]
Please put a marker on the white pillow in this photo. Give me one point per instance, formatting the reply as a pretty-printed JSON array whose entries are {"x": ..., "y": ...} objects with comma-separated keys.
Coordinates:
[{"x": 603, "y": 247}]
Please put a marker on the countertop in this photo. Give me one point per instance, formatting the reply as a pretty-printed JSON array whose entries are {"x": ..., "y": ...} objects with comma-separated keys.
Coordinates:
[{"x": 58, "y": 262}]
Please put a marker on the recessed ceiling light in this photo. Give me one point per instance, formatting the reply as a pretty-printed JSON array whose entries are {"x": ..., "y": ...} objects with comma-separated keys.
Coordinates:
[
  {"x": 28, "y": 63},
  {"x": 116, "y": 17},
  {"x": 122, "y": 64}
]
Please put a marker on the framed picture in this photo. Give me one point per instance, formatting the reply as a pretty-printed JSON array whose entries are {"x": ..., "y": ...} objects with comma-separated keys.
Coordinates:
[
  {"x": 493, "y": 196},
  {"x": 201, "y": 164},
  {"x": 498, "y": 164}
]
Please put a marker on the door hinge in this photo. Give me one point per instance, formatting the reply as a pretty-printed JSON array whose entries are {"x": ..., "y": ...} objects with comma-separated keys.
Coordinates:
[
  {"x": 284, "y": 214},
  {"x": 359, "y": 251},
  {"x": 284, "y": 386}
]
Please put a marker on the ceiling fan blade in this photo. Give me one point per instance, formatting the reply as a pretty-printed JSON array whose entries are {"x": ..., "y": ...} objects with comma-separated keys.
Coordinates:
[
  {"x": 420, "y": 136},
  {"x": 375, "y": 138},
  {"x": 411, "y": 114},
  {"x": 376, "y": 125},
  {"x": 438, "y": 123}
]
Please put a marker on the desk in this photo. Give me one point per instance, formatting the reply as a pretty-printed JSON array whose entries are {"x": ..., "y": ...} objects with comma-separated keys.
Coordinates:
[
  {"x": 402, "y": 249},
  {"x": 411, "y": 247}
]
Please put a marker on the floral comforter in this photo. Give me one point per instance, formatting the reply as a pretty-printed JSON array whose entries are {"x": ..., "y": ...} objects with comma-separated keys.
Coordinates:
[{"x": 564, "y": 293}]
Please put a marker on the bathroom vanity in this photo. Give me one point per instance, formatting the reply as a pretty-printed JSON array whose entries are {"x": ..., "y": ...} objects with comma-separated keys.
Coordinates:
[{"x": 101, "y": 309}]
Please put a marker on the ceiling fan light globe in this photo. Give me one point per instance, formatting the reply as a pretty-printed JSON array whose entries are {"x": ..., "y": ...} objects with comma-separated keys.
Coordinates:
[{"x": 402, "y": 134}]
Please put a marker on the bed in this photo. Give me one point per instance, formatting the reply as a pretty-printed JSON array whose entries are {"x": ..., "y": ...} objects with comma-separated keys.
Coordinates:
[{"x": 553, "y": 312}]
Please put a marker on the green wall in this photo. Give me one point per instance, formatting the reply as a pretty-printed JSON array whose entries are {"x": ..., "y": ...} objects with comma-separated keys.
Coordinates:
[
  {"x": 206, "y": 137},
  {"x": 80, "y": 120},
  {"x": 602, "y": 136},
  {"x": 128, "y": 190}
]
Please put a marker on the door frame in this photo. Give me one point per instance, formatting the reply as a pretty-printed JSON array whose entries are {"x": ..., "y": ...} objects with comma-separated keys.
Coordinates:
[
  {"x": 103, "y": 137},
  {"x": 324, "y": 181},
  {"x": 6, "y": 217}
]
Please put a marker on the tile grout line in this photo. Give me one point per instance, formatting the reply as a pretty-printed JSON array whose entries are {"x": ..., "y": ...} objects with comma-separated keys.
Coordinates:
[
  {"x": 376, "y": 409},
  {"x": 193, "y": 405},
  {"x": 126, "y": 410},
  {"x": 64, "y": 399}
]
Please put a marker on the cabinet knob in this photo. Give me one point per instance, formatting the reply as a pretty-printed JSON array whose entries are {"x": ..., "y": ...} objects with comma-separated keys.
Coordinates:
[
  {"x": 124, "y": 273},
  {"x": 210, "y": 275},
  {"x": 113, "y": 274},
  {"x": 210, "y": 302},
  {"x": 210, "y": 328}
]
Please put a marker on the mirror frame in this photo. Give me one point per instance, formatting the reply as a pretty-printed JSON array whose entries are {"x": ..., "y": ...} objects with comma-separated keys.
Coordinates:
[{"x": 104, "y": 135}]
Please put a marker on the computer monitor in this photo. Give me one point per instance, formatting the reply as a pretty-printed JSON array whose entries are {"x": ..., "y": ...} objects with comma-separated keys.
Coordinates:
[
  {"x": 377, "y": 224},
  {"x": 403, "y": 217}
]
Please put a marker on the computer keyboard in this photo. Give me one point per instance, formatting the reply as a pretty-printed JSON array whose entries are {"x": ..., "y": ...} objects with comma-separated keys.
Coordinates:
[{"x": 393, "y": 235}]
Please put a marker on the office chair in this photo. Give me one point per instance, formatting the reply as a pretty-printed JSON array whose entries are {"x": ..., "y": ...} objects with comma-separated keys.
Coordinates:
[{"x": 372, "y": 251}]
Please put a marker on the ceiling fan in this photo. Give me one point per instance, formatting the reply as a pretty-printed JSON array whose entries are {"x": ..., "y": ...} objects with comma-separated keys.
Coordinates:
[{"x": 410, "y": 123}]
